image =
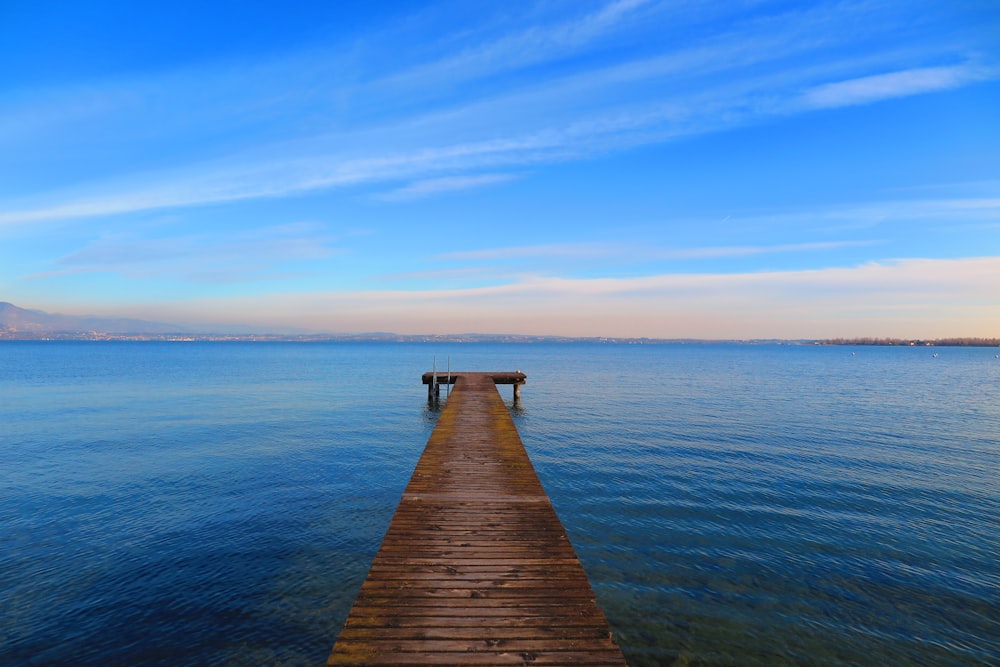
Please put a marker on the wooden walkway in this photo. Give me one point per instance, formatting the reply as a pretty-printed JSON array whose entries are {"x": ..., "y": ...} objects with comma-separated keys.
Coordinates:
[{"x": 476, "y": 568}]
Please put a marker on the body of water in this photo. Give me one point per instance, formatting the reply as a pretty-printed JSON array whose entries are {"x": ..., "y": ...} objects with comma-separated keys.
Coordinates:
[{"x": 219, "y": 503}]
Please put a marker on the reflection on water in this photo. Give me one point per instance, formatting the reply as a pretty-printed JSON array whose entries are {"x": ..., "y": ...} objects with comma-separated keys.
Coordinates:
[{"x": 220, "y": 503}]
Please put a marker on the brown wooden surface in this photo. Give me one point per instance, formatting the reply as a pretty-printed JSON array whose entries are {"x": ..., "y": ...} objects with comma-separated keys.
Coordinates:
[
  {"x": 444, "y": 377},
  {"x": 476, "y": 568}
]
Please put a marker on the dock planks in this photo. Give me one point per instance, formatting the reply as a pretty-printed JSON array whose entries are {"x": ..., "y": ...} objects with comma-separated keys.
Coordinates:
[{"x": 476, "y": 568}]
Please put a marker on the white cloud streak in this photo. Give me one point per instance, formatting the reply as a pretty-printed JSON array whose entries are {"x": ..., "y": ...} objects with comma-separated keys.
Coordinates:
[
  {"x": 202, "y": 258},
  {"x": 447, "y": 141},
  {"x": 907, "y": 297},
  {"x": 571, "y": 250},
  {"x": 432, "y": 186},
  {"x": 639, "y": 253},
  {"x": 537, "y": 44},
  {"x": 875, "y": 88}
]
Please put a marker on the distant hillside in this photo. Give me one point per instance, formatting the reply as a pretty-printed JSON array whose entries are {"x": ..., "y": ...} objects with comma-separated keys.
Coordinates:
[
  {"x": 18, "y": 322},
  {"x": 23, "y": 324}
]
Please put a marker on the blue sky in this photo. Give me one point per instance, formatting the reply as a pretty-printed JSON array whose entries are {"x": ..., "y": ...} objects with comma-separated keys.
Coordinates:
[{"x": 587, "y": 167}]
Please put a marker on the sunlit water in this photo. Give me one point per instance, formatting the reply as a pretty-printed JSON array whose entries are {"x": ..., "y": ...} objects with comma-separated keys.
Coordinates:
[{"x": 219, "y": 503}]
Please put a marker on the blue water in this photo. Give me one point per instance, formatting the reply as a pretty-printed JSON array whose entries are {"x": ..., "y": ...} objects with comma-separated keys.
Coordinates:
[{"x": 219, "y": 503}]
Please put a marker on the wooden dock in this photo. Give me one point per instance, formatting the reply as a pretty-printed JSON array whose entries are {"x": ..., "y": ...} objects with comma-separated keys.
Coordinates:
[{"x": 476, "y": 568}]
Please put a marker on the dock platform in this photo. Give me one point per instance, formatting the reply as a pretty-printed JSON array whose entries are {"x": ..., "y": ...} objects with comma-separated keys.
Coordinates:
[
  {"x": 476, "y": 568},
  {"x": 434, "y": 380}
]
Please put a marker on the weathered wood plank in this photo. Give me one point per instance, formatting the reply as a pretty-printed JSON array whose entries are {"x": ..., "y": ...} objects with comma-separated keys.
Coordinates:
[
  {"x": 365, "y": 656},
  {"x": 444, "y": 377},
  {"x": 476, "y": 568},
  {"x": 462, "y": 624},
  {"x": 429, "y": 631}
]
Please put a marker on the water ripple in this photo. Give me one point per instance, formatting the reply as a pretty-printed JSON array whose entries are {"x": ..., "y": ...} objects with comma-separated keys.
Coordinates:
[{"x": 220, "y": 504}]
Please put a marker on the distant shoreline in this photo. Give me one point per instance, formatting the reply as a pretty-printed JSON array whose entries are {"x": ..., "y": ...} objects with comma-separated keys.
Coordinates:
[
  {"x": 902, "y": 342},
  {"x": 14, "y": 335},
  {"x": 22, "y": 324}
]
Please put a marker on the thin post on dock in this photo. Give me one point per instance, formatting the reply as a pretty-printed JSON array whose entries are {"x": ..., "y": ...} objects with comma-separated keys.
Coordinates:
[
  {"x": 475, "y": 568},
  {"x": 433, "y": 389}
]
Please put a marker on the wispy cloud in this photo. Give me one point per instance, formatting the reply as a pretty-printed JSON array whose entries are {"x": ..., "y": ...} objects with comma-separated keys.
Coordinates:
[
  {"x": 60, "y": 273},
  {"x": 204, "y": 257},
  {"x": 431, "y": 186},
  {"x": 364, "y": 132},
  {"x": 863, "y": 216},
  {"x": 519, "y": 48},
  {"x": 928, "y": 277},
  {"x": 878, "y": 87},
  {"x": 719, "y": 252},
  {"x": 572, "y": 250},
  {"x": 283, "y": 175},
  {"x": 635, "y": 252},
  {"x": 905, "y": 297},
  {"x": 463, "y": 274}
]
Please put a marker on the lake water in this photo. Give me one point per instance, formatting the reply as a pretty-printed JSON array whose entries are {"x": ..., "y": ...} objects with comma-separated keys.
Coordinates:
[{"x": 219, "y": 503}]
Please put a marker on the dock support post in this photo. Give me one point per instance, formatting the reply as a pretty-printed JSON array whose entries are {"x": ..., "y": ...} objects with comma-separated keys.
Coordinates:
[
  {"x": 517, "y": 391},
  {"x": 433, "y": 391}
]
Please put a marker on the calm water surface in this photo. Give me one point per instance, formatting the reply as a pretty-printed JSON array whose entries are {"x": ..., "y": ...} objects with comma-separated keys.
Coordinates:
[{"x": 219, "y": 503}]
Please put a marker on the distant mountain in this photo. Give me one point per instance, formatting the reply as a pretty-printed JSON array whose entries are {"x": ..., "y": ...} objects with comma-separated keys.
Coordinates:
[{"x": 14, "y": 320}]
